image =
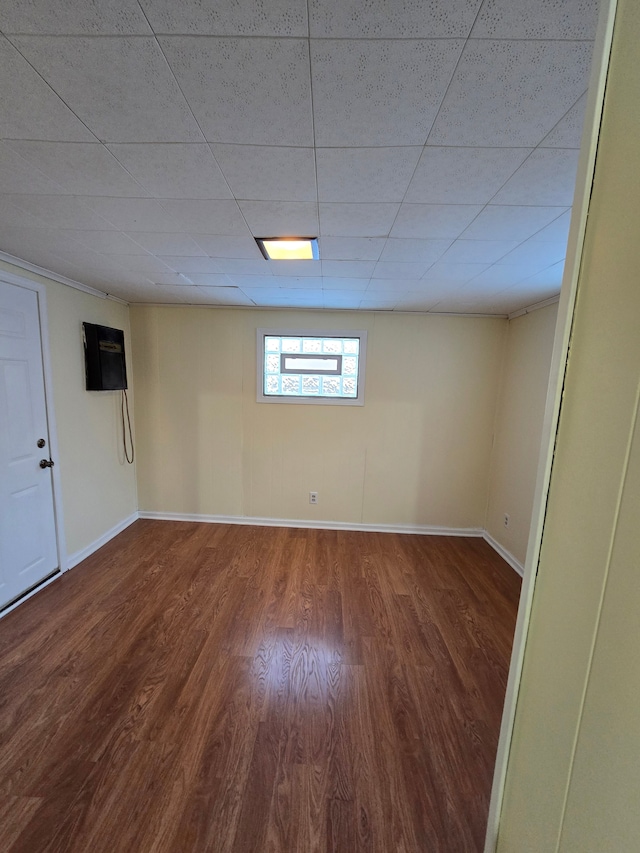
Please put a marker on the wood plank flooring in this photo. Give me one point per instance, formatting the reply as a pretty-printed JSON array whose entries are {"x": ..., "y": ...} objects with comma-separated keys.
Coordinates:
[{"x": 196, "y": 687}]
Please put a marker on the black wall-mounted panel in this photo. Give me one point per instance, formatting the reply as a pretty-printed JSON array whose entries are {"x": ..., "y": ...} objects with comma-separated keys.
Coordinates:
[{"x": 104, "y": 359}]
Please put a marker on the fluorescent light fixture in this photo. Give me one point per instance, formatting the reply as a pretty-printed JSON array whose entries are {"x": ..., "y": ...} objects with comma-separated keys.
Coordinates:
[{"x": 288, "y": 248}]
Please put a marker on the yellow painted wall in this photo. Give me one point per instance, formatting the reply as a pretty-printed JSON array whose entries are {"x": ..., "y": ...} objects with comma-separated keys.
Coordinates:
[
  {"x": 516, "y": 448},
  {"x": 416, "y": 453},
  {"x": 98, "y": 487},
  {"x": 576, "y": 739}
]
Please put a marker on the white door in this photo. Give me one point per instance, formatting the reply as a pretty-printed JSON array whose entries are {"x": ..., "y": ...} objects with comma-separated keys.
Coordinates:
[{"x": 28, "y": 547}]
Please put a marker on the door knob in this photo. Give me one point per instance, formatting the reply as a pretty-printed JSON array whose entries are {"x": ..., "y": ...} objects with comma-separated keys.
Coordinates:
[
  {"x": 46, "y": 463},
  {"x": 41, "y": 442}
]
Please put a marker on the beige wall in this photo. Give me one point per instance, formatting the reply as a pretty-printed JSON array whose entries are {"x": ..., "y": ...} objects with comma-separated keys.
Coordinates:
[
  {"x": 98, "y": 487},
  {"x": 416, "y": 453},
  {"x": 573, "y": 778},
  {"x": 516, "y": 448}
]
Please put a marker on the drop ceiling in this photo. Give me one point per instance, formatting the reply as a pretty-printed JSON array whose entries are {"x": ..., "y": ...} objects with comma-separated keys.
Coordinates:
[{"x": 432, "y": 146}]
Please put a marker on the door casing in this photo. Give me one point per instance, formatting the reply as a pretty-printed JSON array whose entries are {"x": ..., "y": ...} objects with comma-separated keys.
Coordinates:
[{"x": 41, "y": 292}]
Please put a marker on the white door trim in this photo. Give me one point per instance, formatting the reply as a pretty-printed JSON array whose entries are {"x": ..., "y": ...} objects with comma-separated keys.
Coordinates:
[
  {"x": 41, "y": 292},
  {"x": 584, "y": 182}
]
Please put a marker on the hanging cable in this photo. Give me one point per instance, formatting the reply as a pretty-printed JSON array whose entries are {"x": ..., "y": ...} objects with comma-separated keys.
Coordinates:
[{"x": 125, "y": 402}]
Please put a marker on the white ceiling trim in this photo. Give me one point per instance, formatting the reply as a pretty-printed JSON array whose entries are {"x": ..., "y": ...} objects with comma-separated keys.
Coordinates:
[
  {"x": 535, "y": 307},
  {"x": 54, "y": 276}
]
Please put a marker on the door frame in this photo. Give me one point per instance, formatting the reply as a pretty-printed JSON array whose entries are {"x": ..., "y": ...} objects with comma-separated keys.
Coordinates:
[
  {"x": 41, "y": 292},
  {"x": 559, "y": 359}
]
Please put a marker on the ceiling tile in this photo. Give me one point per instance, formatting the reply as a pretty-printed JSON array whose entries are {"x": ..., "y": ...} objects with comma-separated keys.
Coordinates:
[
  {"x": 521, "y": 19},
  {"x": 210, "y": 279},
  {"x": 365, "y": 174},
  {"x": 174, "y": 171},
  {"x": 454, "y": 304},
  {"x": 30, "y": 108},
  {"x": 79, "y": 168},
  {"x": 357, "y": 220},
  {"x": 401, "y": 270},
  {"x": 190, "y": 264},
  {"x": 82, "y": 274},
  {"x": 173, "y": 279},
  {"x": 392, "y": 285},
  {"x": 43, "y": 257},
  {"x": 163, "y": 294},
  {"x": 19, "y": 176},
  {"x": 245, "y": 91},
  {"x": 414, "y": 250},
  {"x": 72, "y": 17},
  {"x": 18, "y": 241},
  {"x": 251, "y": 282},
  {"x": 109, "y": 242},
  {"x": 349, "y": 300},
  {"x": 167, "y": 244},
  {"x": 535, "y": 256},
  {"x": 381, "y": 71},
  {"x": 61, "y": 211},
  {"x": 510, "y": 222},
  {"x": 212, "y": 295},
  {"x": 344, "y": 284},
  {"x": 282, "y": 298},
  {"x": 268, "y": 173},
  {"x": 85, "y": 259},
  {"x": 428, "y": 296},
  {"x": 219, "y": 217},
  {"x": 348, "y": 269},
  {"x": 410, "y": 77},
  {"x": 228, "y": 247},
  {"x": 281, "y": 218},
  {"x": 132, "y": 214},
  {"x": 146, "y": 264},
  {"x": 521, "y": 297},
  {"x": 451, "y": 273},
  {"x": 410, "y": 302},
  {"x": 462, "y": 175},
  {"x": 478, "y": 251},
  {"x": 121, "y": 88},
  {"x": 499, "y": 276},
  {"x": 401, "y": 19},
  {"x": 150, "y": 294},
  {"x": 556, "y": 232},
  {"x": 547, "y": 177},
  {"x": 302, "y": 282},
  {"x": 106, "y": 280},
  {"x": 511, "y": 93},
  {"x": 551, "y": 277},
  {"x": 568, "y": 132},
  {"x": 434, "y": 221},
  {"x": 295, "y": 268},
  {"x": 257, "y": 294},
  {"x": 14, "y": 215},
  {"x": 351, "y": 248},
  {"x": 238, "y": 266},
  {"x": 240, "y": 18}
]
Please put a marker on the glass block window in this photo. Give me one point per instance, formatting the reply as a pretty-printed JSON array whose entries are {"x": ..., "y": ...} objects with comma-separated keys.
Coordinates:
[{"x": 311, "y": 367}]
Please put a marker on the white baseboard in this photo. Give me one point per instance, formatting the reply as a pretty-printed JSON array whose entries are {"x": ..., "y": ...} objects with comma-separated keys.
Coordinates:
[
  {"x": 79, "y": 556},
  {"x": 422, "y": 529},
  {"x": 507, "y": 556}
]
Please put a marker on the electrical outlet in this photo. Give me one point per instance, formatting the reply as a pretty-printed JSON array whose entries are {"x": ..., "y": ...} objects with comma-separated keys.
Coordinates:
[
  {"x": 507, "y": 519},
  {"x": 313, "y": 497}
]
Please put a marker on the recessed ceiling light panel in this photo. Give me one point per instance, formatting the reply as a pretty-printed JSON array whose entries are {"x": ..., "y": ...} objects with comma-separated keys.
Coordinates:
[{"x": 289, "y": 248}]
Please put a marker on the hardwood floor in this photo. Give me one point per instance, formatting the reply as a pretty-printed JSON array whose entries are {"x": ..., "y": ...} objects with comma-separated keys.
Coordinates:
[{"x": 196, "y": 687}]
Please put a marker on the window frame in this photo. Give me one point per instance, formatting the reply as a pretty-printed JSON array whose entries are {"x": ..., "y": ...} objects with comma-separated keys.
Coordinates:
[{"x": 261, "y": 397}]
